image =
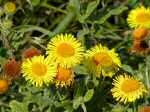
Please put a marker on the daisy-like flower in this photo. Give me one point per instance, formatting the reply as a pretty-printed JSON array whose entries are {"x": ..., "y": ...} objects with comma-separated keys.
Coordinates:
[
  {"x": 30, "y": 52},
  {"x": 66, "y": 50},
  {"x": 64, "y": 77},
  {"x": 10, "y": 7},
  {"x": 12, "y": 68},
  {"x": 127, "y": 89},
  {"x": 139, "y": 17},
  {"x": 140, "y": 33},
  {"x": 38, "y": 70},
  {"x": 100, "y": 60}
]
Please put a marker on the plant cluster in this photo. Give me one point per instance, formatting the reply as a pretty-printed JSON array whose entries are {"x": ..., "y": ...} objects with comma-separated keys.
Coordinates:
[{"x": 74, "y": 56}]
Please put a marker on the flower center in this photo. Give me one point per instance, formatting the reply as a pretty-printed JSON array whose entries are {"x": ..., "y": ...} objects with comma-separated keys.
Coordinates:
[
  {"x": 39, "y": 69},
  {"x": 102, "y": 59},
  {"x": 3, "y": 85},
  {"x": 65, "y": 50},
  {"x": 130, "y": 85},
  {"x": 63, "y": 74},
  {"x": 143, "y": 17}
]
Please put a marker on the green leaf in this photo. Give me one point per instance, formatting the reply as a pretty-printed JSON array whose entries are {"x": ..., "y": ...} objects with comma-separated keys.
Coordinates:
[
  {"x": 3, "y": 52},
  {"x": 128, "y": 68},
  {"x": 35, "y": 2},
  {"x": 74, "y": 5},
  {"x": 77, "y": 102},
  {"x": 90, "y": 8},
  {"x": 18, "y": 107},
  {"x": 80, "y": 70},
  {"x": 88, "y": 95},
  {"x": 115, "y": 11}
]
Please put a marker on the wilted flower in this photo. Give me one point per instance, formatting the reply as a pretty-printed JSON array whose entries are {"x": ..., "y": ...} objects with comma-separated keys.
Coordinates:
[
  {"x": 30, "y": 52},
  {"x": 12, "y": 68}
]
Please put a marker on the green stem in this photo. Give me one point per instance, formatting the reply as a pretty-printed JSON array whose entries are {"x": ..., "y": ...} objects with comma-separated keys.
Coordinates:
[
  {"x": 3, "y": 104},
  {"x": 147, "y": 76},
  {"x": 64, "y": 23},
  {"x": 49, "y": 6},
  {"x": 83, "y": 107},
  {"x": 134, "y": 107},
  {"x": 26, "y": 28}
]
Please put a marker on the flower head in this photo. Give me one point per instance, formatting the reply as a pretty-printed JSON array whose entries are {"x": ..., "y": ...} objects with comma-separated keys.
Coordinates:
[
  {"x": 64, "y": 77},
  {"x": 12, "y": 68},
  {"x": 30, "y": 52},
  {"x": 140, "y": 33},
  {"x": 65, "y": 50},
  {"x": 139, "y": 17},
  {"x": 38, "y": 70},
  {"x": 127, "y": 89},
  {"x": 4, "y": 83},
  {"x": 140, "y": 47},
  {"x": 101, "y": 60},
  {"x": 10, "y": 7}
]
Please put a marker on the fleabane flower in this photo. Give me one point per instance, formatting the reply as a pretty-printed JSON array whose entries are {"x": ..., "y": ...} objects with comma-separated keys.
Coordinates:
[
  {"x": 100, "y": 60},
  {"x": 39, "y": 70},
  {"x": 64, "y": 77},
  {"x": 65, "y": 50},
  {"x": 139, "y": 17},
  {"x": 127, "y": 89}
]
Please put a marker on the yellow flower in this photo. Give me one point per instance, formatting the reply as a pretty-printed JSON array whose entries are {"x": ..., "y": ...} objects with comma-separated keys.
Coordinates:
[
  {"x": 139, "y": 17},
  {"x": 10, "y": 7},
  {"x": 65, "y": 50},
  {"x": 64, "y": 77},
  {"x": 101, "y": 60},
  {"x": 127, "y": 89},
  {"x": 38, "y": 70}
]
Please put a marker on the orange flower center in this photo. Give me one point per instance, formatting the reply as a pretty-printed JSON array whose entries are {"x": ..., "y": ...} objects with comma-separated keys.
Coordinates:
[
  {"x": 130, "y": 85},
  {"x": 143, "y": 17},
  {"x": 3, "y": 86},
  {"x": 63, "y": 74},
  {"x": 102, "y": 59},
  {"x": 65, "y": 50},
  {"x": 39, "y": 69}
]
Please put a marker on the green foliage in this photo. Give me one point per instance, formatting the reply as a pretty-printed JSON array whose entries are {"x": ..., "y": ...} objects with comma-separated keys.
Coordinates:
[{"x": 92, "y": 22}]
